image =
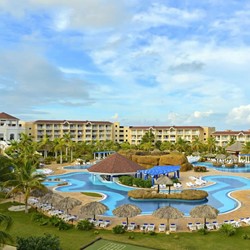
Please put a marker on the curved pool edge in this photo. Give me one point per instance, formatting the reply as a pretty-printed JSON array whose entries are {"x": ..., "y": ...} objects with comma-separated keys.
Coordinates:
[{"x": 177, "y": 200}]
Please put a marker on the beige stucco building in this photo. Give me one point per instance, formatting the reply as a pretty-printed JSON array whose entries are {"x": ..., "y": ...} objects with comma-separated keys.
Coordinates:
[
  {"x": 224, "y": 137},
  {"x": 170, "y": 133},
  {"x": 79, "y": 130},
  {"x": 104, "y": 130}
]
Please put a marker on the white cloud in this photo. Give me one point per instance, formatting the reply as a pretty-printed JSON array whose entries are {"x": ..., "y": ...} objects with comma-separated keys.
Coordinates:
[
  {"x": 32, "y": 82},
  {"x": 239, "y": 115},
  {"x": 115, "y": 117},
  {"x": 198, "y": 114},
  {"x": 76, "y": 14},
  {"x": 159, "y": 14}
]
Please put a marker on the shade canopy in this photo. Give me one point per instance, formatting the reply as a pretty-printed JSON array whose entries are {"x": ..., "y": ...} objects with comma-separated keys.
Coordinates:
[
  {"x": 68, "y": 203},
  {"x": 51, "y": 198},
  {"x": 205, "y": 212},
  {"x": 127, "y": 210},
  {"x": 168, "y": 212},
  {"x": 115, "y": 164},
  {"x": 93, "y": 208},
  {"x": 158, "y": 170},
  {"x": 236, "y": 147},
  {"x": 164, "y": 180}
]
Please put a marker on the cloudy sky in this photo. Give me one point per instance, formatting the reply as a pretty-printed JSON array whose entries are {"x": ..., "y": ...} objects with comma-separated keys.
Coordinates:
[{"x": 141, "y": 62}]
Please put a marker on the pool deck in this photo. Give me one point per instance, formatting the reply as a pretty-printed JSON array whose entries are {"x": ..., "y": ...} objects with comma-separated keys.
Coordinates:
[{"x": 242, "y": 196}]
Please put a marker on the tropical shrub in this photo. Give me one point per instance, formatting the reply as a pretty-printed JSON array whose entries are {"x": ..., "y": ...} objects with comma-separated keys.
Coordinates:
[
  {"x": 227, "y": 229},
  {"x": 45, "y": 242},
  {"x": 132, "y": 181},
  {"x": 55, "y": 221},
  {"x": 84, "y": 225},
  {"x": 200, "y": 169},
  {"x": 152, "y": 233},
  {"x": 191, "y": 194},
  {"x": 126, "y": 180},
  {"x": 41, "y": 218},
  {"x": 48, "y": 160},
  {"x": 203, "y": 231},
  {"x": 64, "y": 226},
  {"x": 245, "y": 237},
  {"x": 118, "y": 229}
]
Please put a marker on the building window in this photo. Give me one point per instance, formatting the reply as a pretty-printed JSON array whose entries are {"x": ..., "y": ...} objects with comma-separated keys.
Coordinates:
[{"x": 12, "y": 136}]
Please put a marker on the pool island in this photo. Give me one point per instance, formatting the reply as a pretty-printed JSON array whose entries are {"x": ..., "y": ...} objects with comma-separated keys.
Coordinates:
[{"x": 184, "y": 195}]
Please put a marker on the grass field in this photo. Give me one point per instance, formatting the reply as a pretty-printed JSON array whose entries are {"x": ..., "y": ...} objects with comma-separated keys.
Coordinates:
[
  {"x": 111, "y": 245},
  {"x": 74, "y": 239}
]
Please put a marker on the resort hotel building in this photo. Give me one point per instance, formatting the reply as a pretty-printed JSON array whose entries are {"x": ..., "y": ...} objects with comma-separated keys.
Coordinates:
[
  {"x": 10, "y": 128},
  {"x": 87, "y": 131}
]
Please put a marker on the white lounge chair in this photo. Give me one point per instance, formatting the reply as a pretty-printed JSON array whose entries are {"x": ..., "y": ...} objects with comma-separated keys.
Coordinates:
[
  {"x": 216, "y": 225},
  {"x": 131, "y": 226},
  {"x": 246, "y": 220},
  {"x": 162, "y": 227},
  {"x": 104, "y": 223},
  {"x": 199, "y": 225},
  {"x": 144, "y": 227},
  {"x": 172, "y": 227},
  {"x": 191, "y": 226},
  {"x": 210, "y": 226},
  {"x": 151, "y": 227},
  {"x": 124, "y": 224}
]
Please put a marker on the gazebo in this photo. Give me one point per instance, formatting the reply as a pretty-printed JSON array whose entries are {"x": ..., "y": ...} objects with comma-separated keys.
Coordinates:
[
  {"x": 157, "y": 171},
  {"x": 115, "y": 165},
  {"x": 234, "y": 148}
]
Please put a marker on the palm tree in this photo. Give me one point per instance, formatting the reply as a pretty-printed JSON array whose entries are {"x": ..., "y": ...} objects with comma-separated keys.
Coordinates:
[
  {"x": 25, "y": 180},
  {"x": 5, "y": 224},
  {"x": 211, "y": 144},
  {"x": 246, "y": 148},
  {"x": 67, "y": 140},
  {"x": 182, "y": 145},
  {"x": 196, "y": 144},
  {"x": 167, "y": 145},
  {"x": 45, "y": 145},
  {"x": 59, "y": 147}
]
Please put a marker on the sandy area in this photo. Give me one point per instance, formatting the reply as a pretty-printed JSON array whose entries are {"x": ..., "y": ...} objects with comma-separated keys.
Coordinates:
[{"x": 241, "y": 196}]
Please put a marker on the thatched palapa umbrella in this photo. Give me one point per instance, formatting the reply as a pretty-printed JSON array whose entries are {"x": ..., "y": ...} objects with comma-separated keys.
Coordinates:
[
  {"x": 68, "y": 203},
  {"x": 93, "y": 208},
  {"x": 40, "y": 192},
  {"x": 233, "y": 158},
  {"x": 51, "y": 198},
  {"x": 205, "y": 212},
  {"x": 126, "y": 210},
  {"x": 164, "y": 180},
  {"x": 221, "y": 157},
  {"x": 168, "y": 213}
]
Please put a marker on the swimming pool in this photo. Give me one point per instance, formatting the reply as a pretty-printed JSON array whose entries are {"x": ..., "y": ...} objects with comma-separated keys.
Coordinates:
[
  {"x": 77, "y": 167},
  {"x": 116, "y": 195},
  {"x": 236, "y": 169}
]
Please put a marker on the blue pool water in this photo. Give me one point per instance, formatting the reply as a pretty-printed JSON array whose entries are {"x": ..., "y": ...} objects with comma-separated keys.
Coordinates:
[
  {"x": 116, "y": 195},
  {"x": 235, "y": 169},
  {"x": 77, "y": 167}
]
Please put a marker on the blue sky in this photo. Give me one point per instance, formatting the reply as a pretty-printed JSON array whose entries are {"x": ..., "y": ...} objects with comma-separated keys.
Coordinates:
[{"x": 165, "y": 62}]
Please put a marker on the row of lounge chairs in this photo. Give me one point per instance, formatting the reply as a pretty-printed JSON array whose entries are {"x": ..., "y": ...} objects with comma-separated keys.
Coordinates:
[
  {"x": 100, "y": 223},
  {"x": 215, "y": 225},
  {"x": 149, "y": 227}
]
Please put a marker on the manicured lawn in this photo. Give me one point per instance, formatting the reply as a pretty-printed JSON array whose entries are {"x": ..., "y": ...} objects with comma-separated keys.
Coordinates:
[
  {"x": 74, "y": 239},
  {"x": 91, "y": 194},
  {"x": 111, "y": 245}
]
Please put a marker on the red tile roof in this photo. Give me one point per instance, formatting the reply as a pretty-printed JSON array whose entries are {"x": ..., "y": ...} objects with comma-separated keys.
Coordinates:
[
  {"x": 73, "y": 122},
  {"x": 115, "y": 163},
  {"x": 7, "y": 116},
  {"x": 230, "y": 132},
  {"x": 165, "y": 127}
]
